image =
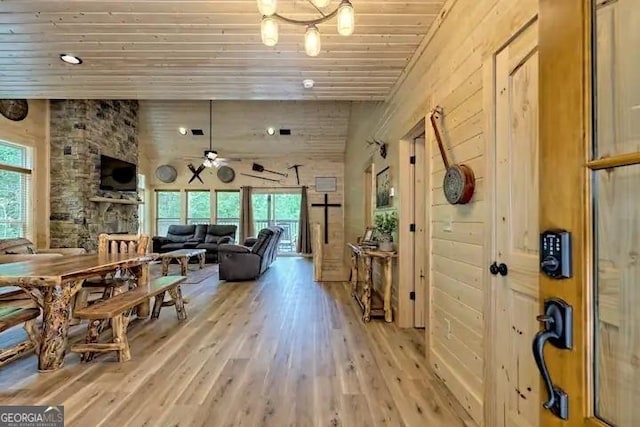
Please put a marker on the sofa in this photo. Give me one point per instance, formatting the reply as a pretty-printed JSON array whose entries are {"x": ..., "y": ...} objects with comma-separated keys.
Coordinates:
[
  {"x": 250, "y": 260},
  {"x": 200, "y": 236},
  {"x": 19, "y": 249}
]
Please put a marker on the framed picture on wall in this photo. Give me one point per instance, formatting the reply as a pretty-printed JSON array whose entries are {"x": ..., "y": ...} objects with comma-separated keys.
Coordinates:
[
  {"x": 326, "y": 184},
  {"x": 383, "y": 188}
]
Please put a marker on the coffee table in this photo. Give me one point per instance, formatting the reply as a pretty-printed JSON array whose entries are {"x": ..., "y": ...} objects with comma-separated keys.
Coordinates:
[{"x": 182, "y": 256}]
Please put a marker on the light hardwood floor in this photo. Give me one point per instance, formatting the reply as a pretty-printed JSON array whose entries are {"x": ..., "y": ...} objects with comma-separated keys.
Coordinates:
[{"x": 277, "y": 352}]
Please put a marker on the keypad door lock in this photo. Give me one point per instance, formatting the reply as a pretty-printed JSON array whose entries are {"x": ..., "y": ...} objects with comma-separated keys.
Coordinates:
[{"x": 555, "y": 253}]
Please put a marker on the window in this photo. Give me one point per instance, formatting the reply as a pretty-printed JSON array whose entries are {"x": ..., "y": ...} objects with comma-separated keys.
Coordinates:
[
  {"x": 141, "y": 208},
  {"x": 278, "y": 208},
  {"x": 167, "y": 210},
  {"x": 228, "y": 207},
  {"x": 198, "y": 207},
  {"x": 15, "y": 190}
]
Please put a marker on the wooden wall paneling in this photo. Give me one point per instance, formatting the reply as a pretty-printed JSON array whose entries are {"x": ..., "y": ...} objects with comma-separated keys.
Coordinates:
[
  {"x": 449, "y": 68},
  {"x": 240, "y": 128}
]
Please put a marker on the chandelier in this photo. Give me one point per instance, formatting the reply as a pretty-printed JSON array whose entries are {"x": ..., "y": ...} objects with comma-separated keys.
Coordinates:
[{"x": 269, "y": 27}]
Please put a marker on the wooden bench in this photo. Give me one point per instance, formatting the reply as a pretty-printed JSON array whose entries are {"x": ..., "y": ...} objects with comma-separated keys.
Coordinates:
[
  {"x": 11, "y": 316},
  {"x": 118, "y": 309}
]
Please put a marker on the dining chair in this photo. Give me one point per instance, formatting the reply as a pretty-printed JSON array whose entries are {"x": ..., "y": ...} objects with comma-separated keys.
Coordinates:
[{"x": 109, "y": 285}]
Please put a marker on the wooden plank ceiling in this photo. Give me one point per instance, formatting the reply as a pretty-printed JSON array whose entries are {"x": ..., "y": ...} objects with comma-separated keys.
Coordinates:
[
  {"x": 162, "y": 49},
  {"x": 239, "y": 128}
]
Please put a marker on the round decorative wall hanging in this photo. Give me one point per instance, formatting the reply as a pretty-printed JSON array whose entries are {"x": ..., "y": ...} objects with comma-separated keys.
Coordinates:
[
  {"x": 166, "y": 174},
  {"x": 14, "y": 109},
  {"x": 459, "y": 181},
  {"x": 226, "y": 174}
]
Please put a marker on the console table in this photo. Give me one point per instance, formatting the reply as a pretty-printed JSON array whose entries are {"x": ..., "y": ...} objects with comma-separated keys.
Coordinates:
[{"x": 370, "y": 301}]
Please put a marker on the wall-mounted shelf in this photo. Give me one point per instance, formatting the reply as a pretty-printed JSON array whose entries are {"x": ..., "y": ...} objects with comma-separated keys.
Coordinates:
[{"x": 106, "y": 202}]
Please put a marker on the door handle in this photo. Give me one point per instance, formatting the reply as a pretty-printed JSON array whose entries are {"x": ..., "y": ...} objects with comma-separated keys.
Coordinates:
[
  {"x": 493, "y": 268},
  {"x": 496, "y": 269},
  {"x": 557, "y": 330},
  {"x": 502, "y": 269}
]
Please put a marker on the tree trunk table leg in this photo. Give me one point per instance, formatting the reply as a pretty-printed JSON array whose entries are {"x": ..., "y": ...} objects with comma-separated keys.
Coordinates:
[
  {"x": 157, "y": 305},
  {"x": 176, "y": 294},
  {"x": 388, "y": 315},
  {"x": 165, "y": 265},
  {"x": 55, "y": 327},
  {"x": 354, "y": 273},
  {"x": 31, "y": 329},
  {"x": 202, "y": 258},
  {"x": 142, "y": 273},
  {"x": 367, "y": 288},
  {"x": 184, "y": 263}
]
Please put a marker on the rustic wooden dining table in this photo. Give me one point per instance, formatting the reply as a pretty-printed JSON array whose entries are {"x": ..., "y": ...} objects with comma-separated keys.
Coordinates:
[{"x": 53, "y": 283}]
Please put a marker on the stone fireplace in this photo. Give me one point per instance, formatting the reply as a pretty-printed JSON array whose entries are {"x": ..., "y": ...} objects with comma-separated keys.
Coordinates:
[{"x": 82, "y": 130}]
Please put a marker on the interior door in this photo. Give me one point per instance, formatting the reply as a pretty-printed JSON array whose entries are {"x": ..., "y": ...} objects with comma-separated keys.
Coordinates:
[
  {"x": 420, "y": 252},
  {"x": 590, "y": 173},
  {"x": 515, "y": 271}
]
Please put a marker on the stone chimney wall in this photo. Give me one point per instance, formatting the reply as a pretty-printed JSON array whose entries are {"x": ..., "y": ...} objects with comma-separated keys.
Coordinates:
[{"x": 80, "y": 131}]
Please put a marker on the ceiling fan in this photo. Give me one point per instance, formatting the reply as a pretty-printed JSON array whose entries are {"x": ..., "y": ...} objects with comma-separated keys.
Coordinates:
[{"x": 210, "y": 159}]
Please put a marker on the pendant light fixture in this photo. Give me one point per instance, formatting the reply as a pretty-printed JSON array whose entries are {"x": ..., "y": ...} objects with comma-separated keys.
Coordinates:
[
  {"x": 346, "y": 19},
  {"x": 312, "y": 43},
  {"x": 269, "y": 31},
  {"x": 210, "y": 155},
  {"x": 269, "y": 27}
]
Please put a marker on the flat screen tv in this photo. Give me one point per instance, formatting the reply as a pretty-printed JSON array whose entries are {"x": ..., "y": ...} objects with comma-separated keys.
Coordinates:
[{"x": 117, "y": 175}]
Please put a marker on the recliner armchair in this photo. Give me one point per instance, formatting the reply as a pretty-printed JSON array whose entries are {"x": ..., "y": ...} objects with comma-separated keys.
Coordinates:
[{"x": 239, "y": 262}]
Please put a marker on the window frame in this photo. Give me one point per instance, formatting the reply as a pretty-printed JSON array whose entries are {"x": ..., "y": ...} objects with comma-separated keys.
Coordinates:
[{"x": 27, "y": 186}]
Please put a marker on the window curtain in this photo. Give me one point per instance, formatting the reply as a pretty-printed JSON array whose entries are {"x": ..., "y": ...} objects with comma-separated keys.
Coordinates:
[
  {"x": 304, "y": 228},
  {"x": 246, "y": 215}
]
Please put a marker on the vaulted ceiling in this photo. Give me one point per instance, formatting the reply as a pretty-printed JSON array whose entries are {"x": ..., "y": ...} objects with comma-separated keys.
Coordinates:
[{"x": 162, "y": 49}]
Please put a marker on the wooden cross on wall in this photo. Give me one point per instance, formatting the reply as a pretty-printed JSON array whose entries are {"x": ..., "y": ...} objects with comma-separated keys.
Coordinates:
[{"x": 326, "y": 205}]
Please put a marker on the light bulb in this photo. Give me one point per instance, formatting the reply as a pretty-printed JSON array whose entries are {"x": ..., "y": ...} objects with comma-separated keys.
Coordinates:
[
  {"x": 312, "y": 41},
  {"x": 269, "y": 31},
  {"x": 207, "y": 163},
  {"x": 346, "y": 18},
  {"x": 321, "y": 3},
  {"x": 267, "y": 7}
]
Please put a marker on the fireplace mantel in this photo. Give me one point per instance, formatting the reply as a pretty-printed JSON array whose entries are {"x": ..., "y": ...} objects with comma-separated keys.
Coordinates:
[{"x": 106, "y": 202}]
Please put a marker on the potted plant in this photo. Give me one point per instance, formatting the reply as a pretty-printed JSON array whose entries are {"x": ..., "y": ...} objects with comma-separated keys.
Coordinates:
[{"x": 386, "y": 224}]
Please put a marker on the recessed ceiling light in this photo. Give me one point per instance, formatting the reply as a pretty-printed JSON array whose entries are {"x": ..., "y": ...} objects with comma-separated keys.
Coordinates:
[
  {"x": 308, "y": 83},
  {"x": 70, "y": 59},
  {"x": 271, "y": 131},
  {"x": 182, "y": 131}
]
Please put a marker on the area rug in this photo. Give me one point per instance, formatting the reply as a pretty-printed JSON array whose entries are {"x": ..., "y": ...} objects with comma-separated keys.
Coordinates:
[{"x": 194, "y": 275}]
